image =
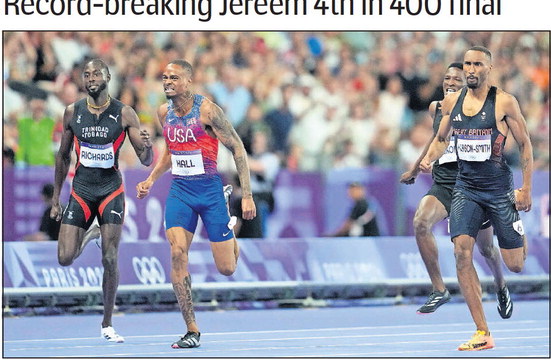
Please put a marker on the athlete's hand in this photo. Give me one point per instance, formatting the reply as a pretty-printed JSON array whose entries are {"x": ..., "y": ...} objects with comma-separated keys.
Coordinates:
[
  {"x": 425, "y": 165},
  {"x": 248, "y": 208},
  {"x": 409, "y": 177},
  {"x": 56, "y": 212},
  {"x": 523, "y": 200},
  {"x": 145, "y": 137},
  {"x": 142, "y": 189}
]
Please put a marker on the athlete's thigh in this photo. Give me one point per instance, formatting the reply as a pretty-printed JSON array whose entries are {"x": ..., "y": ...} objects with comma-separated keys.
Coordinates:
[
  {"x": 466, "y": 214},
  {"x": 223, "y": 252},
  {"x": 506, "y": 221},
  {"x": 111, "y": 208},
  {"x": 431, "y": 209},
  {"x": 214, "y": 213},
  {"x": 69, "y": 240},
  {"x": 179, "y": 214},
  {"x": 80, "y": 212},
  {"x": 443, "y": 194}
]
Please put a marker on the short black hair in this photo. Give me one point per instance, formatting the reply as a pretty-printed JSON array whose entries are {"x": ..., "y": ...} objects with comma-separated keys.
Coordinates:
[
  {"x": 457, "y": 65},
  {"x": 99, "y": 63},
  {"x": 184, "y": 64},
  {"x": 482, "y": 49}
]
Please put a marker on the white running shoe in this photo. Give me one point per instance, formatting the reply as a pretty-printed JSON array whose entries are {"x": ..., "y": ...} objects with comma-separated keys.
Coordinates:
[{"x": 109, "y": 334}]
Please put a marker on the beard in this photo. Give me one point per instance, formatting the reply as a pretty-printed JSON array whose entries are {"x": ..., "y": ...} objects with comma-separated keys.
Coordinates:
[{"x": 95, "y": 93}]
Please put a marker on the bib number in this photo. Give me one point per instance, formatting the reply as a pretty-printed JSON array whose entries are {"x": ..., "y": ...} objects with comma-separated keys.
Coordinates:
[
  {"x": 474, "y": 147},
  {"x": 449, "y": 155},
  {"x": 97, "y": 156},
  {"x": 187, "y": 163}
]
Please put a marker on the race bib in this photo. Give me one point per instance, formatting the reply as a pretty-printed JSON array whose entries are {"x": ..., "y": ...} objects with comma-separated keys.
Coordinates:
[
  {"x": 449, "y": 155},
  {"x": 474, "y": 147},
  {"x": 187, "y": 163},
  {"x": 97, "y": 156}
]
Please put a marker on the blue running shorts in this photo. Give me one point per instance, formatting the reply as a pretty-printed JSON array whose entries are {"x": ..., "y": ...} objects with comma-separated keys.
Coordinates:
[
  {"x": 188, "y": 199},
  {"x": 469, "y": 208}
]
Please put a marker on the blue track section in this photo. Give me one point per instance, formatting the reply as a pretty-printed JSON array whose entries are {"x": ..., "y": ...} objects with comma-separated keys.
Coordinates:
[{"x": 368, "y": 331}]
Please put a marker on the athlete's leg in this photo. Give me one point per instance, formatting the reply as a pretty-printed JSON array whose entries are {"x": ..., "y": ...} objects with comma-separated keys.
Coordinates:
[
  {"x": 180, "y": 241},
  {"x": 429, "y": 212},
  {"x": 484, "y": 241},
  {"x": 110, "y": 239},
  {"x": 468, "y": 279},
  {"x": 69, "y": 243},
  {"x": 514, "y": 258},
  {"x": 225, "y": 255},
  {"x": 77, "y": 217}
]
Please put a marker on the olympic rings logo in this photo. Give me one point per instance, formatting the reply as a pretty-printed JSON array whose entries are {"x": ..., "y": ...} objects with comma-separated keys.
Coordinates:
[{"x": 148, "y": 270}]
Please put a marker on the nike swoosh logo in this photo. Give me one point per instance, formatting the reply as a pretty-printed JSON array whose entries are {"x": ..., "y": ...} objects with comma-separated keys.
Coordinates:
[{"x": 226, "y": 234}]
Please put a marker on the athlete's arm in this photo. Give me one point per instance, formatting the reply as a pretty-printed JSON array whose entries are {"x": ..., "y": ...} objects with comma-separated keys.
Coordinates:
[
  {"x": 224, "y": 131},
  {"x": 440, "y": 141},
  {"x": 517, "y": 124},
  {"x": 409, "y": 176},
  {"x": 62, "y": 161},
  {"x": 138, "y": 138},
  {"x": 162, "y": 165}
]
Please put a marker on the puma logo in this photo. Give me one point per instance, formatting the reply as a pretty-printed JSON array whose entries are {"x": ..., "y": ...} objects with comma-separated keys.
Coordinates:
[
  {"x": 114, "y": 117},
  {"x": 116, "y": 213}
]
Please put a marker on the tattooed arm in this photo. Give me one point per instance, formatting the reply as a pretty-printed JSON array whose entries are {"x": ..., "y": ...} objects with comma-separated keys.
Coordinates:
[{"x": 224, "y": 131}]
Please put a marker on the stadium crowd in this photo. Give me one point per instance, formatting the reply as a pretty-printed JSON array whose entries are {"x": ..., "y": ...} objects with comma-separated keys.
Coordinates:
[{"x": 324, "y": 99}]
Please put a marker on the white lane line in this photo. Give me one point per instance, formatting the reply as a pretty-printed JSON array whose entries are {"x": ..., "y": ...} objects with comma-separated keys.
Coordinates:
[
  {"x": 310, "y": 338},
  {"x": 392, "y": 327}
]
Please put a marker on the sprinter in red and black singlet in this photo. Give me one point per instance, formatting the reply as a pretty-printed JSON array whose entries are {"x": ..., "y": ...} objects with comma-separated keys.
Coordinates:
[
  {"x": 96, "y": 126},
  {"x": 192, "y": 126},
  {"x": 481, "y": 117},
  {"x": 97, "y": 188},
  {"x": 435, "y": 206}
]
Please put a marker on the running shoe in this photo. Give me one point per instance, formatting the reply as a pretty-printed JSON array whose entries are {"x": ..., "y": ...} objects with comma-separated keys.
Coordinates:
[
  {"x": 479, "y": 341},
  {"x": 504, "y": 303},
  {"x": 189, "y": 340},
  {"x": 435, "y": 300},
  {"x": 109, "y": 334},
  {"x": 93, "y": 233},
  {"x": 228, "y": 189}
]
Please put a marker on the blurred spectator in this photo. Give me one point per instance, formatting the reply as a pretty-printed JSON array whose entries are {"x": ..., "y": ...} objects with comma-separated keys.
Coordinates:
[
  {"x": 392, "y": 74},
  {"x": 362, "y": 220},
  {"x": 49, "y": 228},
  {"x": 264, "y": 166},
  {"x": 253, "y": 123},
  {"x": 280, "y": 120},
  {"x": 35, "y": 136},
  {"x": 231, "y": 95}
]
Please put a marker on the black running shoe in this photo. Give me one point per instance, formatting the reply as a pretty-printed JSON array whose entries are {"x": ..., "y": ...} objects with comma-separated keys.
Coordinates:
[
  {"x": 435, "y": 300},
  {"x": 504, "y": 303},
  {"x": 189, "y": 340}
]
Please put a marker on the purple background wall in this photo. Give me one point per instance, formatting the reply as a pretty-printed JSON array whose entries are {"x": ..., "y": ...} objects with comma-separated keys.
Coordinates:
[
  {"x": 307, "y": 204},
  {"x": 32, "y": 264}
]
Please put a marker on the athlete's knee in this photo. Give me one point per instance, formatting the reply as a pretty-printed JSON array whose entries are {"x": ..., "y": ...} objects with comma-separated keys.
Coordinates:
[
  {"x": 110, "y": 259},
  {"x": 515, "y": 266},
  {"x": 421, "y": 225},
  {"x": 227, "y": 268},
  {"x": 463, "y": 253},
  {"x": 64, "y": 256},
  {"x": 179, "y": 257},
  {"x": 64, "y": 259}
]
